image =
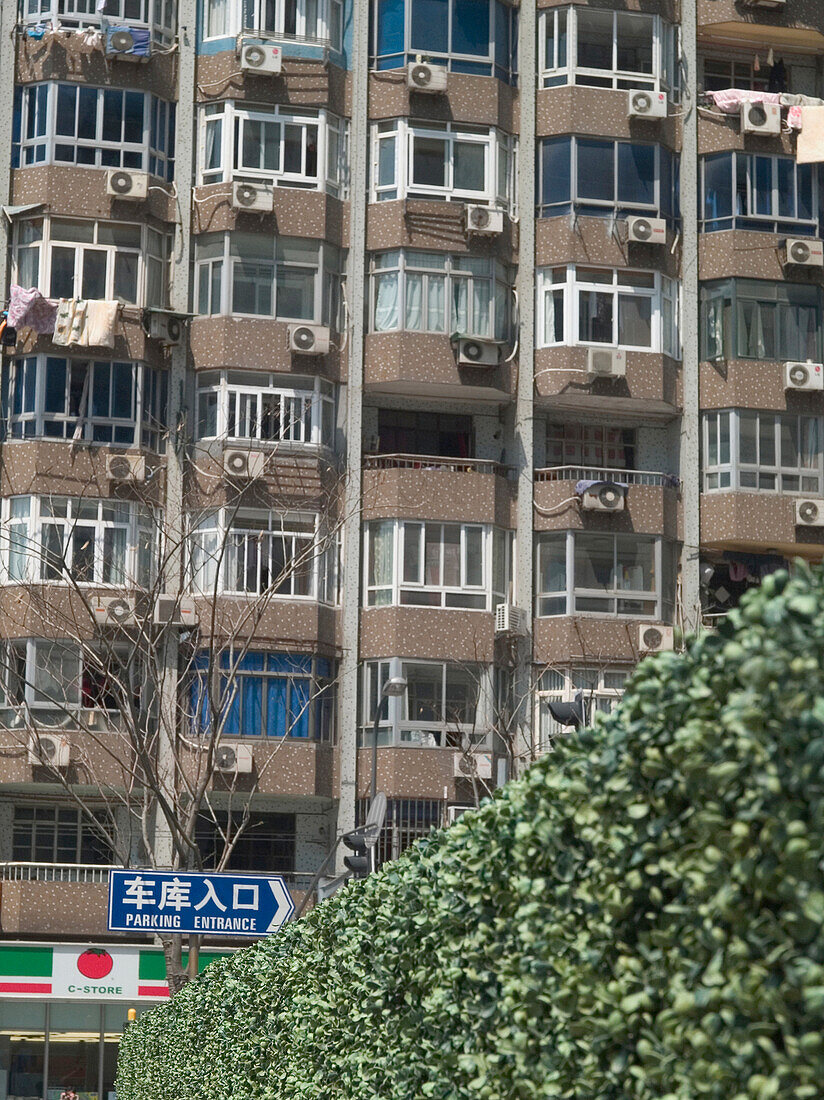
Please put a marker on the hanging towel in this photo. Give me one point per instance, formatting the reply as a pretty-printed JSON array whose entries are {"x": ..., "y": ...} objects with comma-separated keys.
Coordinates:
[
  {"x": 63, "y": 320},
  {"x": 29, "y": 309},
  {"x": 810, "y": 149},
  {"x": 100, "y": 321}
]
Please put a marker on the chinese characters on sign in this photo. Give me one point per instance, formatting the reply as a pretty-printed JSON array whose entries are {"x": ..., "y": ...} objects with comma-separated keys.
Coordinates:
[{"x": 216, "y": 904}]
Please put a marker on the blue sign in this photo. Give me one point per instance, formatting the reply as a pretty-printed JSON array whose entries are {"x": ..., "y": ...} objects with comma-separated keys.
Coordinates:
[{"x": 203, "y": 904}]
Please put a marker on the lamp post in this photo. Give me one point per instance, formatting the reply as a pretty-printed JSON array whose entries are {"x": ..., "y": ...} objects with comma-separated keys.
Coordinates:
[{"x": 394, "y": 686}]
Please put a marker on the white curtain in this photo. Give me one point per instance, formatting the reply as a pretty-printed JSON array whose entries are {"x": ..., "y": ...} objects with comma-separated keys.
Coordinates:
[
  {"x": 436, "y": 313},
  {"x": 217, "y": 17},
  {"x": 414, "y": 303},
  {"x": 386, "y": 302},
  {"x": 460, "y": 310},
  {"x": 382, "y": 536},
  {"x": 549, "y": 317},
  {"x": 715, "y": 328}
]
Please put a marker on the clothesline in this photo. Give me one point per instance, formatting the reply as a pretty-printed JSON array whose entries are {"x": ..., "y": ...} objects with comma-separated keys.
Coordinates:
[{"x": 70, "y": 321}]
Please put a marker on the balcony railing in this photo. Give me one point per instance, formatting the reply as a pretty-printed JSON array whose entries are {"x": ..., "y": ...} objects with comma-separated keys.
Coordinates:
[
  {"x": 297, "y": 881},
  {"x": 434, "y": 462},
  {"x": 598, "y": 473}
]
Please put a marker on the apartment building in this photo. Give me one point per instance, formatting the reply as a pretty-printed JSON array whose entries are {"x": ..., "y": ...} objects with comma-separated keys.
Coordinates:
[{"x": 425, "y": 361}]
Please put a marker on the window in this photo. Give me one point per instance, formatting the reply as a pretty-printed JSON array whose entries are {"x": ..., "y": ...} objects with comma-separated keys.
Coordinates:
[
  {"x": 608, "y": 49},
  {"x": 445, "y": 705},
  {"x": 272, "y": 408},
  {"x": 754, "y": 319},
  {"x": 773, "y": 452},
  {"x": 763, "y": 193},
  {"x": 592, "y": 445},
  {"x": 602, "y": 688},
  {"x": 728, "y": 72},
  {"x": 266, "y": 843},
  {"x": 94, "y": 127},
  {"x": 407, "y": 820},
  {"x": 255, "y": 275},
  {"x": 267, "y": 695},
  {"x": 317, "y": 21},
  {"x": 287, "y": 147},
  {"x": 615, "y": 307},
  {"x": 433, "y": 292},
  {"x": 45, "y": 396},
  {"x": 159, "y": 16},
  {"x": 446, "y": 435},
  {"x": 600, "y": 574},
  {"x": 59, "y": 834},
  {"x": 597, "y": 177},
  {"x": 436, "y": 564},
  {"x": 250, "y": 551},
  {"x": 67, "y": 258},
  {"x": 443, "y": 161},
  {"x": 46, "y": 682},
  {"x": 100, "y": 542},
  {"x": 468, "y": 36}
]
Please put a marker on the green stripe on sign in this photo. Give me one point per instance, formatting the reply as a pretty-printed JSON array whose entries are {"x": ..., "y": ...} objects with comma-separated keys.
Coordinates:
[
  {"x": 153, "y": 965},
  {"x": 26, "y": 962}
]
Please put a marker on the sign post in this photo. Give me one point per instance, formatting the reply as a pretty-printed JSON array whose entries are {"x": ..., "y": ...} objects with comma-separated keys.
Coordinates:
[{"x": 197, "y": 904}]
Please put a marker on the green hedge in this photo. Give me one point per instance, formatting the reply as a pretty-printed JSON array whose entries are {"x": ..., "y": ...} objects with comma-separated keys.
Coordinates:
[{"x": 638, "y": 918}]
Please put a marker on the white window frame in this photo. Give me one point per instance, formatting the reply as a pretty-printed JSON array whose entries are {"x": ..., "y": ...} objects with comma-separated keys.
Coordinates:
[
  {"x": 603, "y": 690},
  {"x": 556, "y": 71},
  {"x": 145, "y": 424},
  {"x": 317, "y": 22},
  {"x": 230, "y": 117},
  {"x": 151, "y": 257},
  {"x": 565, "y": 285},
  {"x": 159, "y": 16},
  {"x": 216, "y": 539},
  {"x": 395, "y": 727},
  {"x": 393, "y": 144},
  {"x": 465, "y": 596},
  {"x": 26, "y": 519},
  {"x": 307, "y": 407},
  {"x": 140, "y": 156},
  {"x": 733, "y": 475},
  {"x": 219, "y": 270},
  {"x": 571, "y": 593}
]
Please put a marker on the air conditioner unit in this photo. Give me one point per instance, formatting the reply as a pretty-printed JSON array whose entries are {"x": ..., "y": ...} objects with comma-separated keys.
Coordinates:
[
  {"x": 760, "y": 118},
  {"x": 655, "y": 639},
  {"x": 123, "y": 184},
  {"x": 248, "y": 465},
  {"x": 643, "y": 103},
  {"x": 113, "y": 610},
  {"x": 510, "y": 619},
  {"x": 253, "y": 196},
  {"x": 426, "y": 78},
  {"x": 479, "y": 764},
  {"x": 647, "y": 230},
  {"x": 606, "y": 363},
  {"x": 803, "y": 376},
  {"x": 605, "y": 497},
  {"x": 128, "y": 43},
  {"x": 166, "y": 327},
  {"x": 233, "y": 759},
  {"x": 265, "y": 60},
  {"x": 454, "y": 812},
  {"x": 477, "y": 353},
  {"x": 804, "y": 251},
  {"x": 809, "y": 513},
  {"x": 309, "y": 339},
  {"x": 125, "y": 467},
  {"x": 49, "y": 749},
  {"x": 174, "y": 610},
  {"x": 482, "y": 221}
]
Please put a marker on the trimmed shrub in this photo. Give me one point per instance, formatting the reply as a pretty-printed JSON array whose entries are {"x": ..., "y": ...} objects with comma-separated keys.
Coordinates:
[{"x": 638, "y": 918}]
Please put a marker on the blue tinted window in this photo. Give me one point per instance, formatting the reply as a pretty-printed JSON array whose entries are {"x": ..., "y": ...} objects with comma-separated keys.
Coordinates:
[
  {"x": 717, "y": 187},
  {"x": 596, "y": 170},
  {"x": 636, "y": 173},
  {"x": 430, "y": 26},
  {"x": 470, "y": 27},
  {"x": 555, "y": 175},
  {"x": 55, "y": 385}
]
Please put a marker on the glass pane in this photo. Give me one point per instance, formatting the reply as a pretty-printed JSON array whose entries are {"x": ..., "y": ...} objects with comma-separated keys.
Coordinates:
[
  {"x": 429, "y": 162},
  {"x": 469, "y": 171}
]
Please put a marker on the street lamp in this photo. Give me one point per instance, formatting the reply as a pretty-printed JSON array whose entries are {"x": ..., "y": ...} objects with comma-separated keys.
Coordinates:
[{"x": 394, "y": 686}]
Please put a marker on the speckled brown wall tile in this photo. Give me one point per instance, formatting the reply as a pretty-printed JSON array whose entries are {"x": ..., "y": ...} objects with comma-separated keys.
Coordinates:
[
  {"x": 254, "y": 343},
  {"x": 650, "y": 378},
  {"x": 424, "y": 223},
  {"x": 473, "y": 99},
  {"x": 70, "y": 59},
  {"x": 437, "y": 634},
  {"x": 754, "y": 384},
  {"x": 592, "y": 242},
  {"x": 804, "y": 14},
  {"x": 749, "y": 255},
  {"x": 409, "y": 772},
  {"x": 424, "y": 363},
  {"x": 32, "y": 909},
  {"x": 650, "y": 510},
  {"x": 760, "y": 522},
  {"x": 584, "y": 640},
  {"x": 297, "y": 213},
  {"x": 439, "y": 495},
  {"x": 717, "y": 134},
  {"x": 74, "y": 190},
  {"x": 130, "y": 342},
  {"x": 601, "y": 112},
  {"x": 302, "y": 83},
  {"x": 69, "y": 469},
  {"x": 282, "y": 767},
  {"x": 290, "y": 479},
  {"x": 278, "y": 624}
]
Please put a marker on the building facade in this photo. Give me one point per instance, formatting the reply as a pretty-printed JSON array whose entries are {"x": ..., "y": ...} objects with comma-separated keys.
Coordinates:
[{"x": 472, "y": 344}]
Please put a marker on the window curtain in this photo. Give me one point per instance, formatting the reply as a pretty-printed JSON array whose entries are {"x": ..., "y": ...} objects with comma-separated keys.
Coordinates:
[
  {"x": 481, "y": 307},
  {"x": 549, "y": 317},
  {"x": 413, "y": 320},
  {"x": 810, "y": 445},
  {"x": 436, "y": 313},
  {"x": 386, "y": 302},
  {"x": 750, "y": 318},
  {"x": 204, "y": 560},
  {"x": 381, "y": 551},
  {"x": 217, "y": 17},
  {"x": 460, "y": 306},
  {"x": 715, "y": 328}
]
